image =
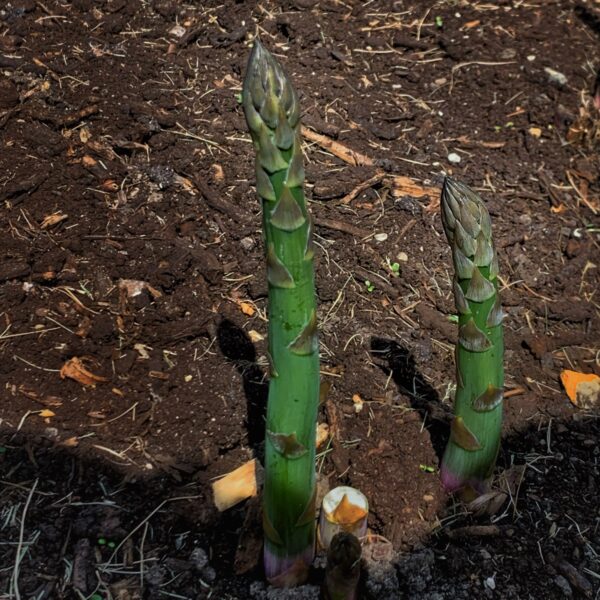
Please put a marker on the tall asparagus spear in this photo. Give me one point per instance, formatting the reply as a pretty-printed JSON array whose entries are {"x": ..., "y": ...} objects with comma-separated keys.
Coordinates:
[
  {"x": 272, "y": 113},
  {"x": 471, "y": 453}
]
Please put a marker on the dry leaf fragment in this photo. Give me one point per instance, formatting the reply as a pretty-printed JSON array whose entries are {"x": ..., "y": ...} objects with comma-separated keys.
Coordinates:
[
  {"x": 580, "y": 387},
  {"x": 247, "y": 308},
  {"x": 71, "y": 442},
  {"x": 75, "y": 369},
  {"x": 53, "y": 219},
  {"x": 535, "y": 132},
  {"x": 88, "y": 161},
  {"x": 236, "y": 486},
  {"x": 158, "y": 375},
  {"x": 218, "y": 173},
  {"x": 358, "y": 402},
  {"x": 322, "y": 434},
  {"x": 255, "y": 336},
  {"x": 142, "y": 350},
  {"x": 134, "y": 287},
  {"x": 96, "y": 414}
]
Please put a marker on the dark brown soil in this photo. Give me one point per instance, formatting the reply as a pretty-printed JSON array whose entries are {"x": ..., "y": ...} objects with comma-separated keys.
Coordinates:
[{"x": 125, "y": 157}]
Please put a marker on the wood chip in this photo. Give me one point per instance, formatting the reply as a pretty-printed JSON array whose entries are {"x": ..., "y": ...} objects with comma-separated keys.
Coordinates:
[
  {"x": 236, "y": 486},
  {"x": 75, "y": 369}
]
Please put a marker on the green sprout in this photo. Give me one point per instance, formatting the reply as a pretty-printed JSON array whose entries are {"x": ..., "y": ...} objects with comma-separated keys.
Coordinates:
[
  {"x": 394, "y": 267},
  {"x": 272, "y": 113},
  {"x": 370, "y": 287},
  {"x": 452, "y": 318},
  {"x": 471, "y": 452},
  {"x": 439, "y": 22},
  {"x": 426, "y": 469}
]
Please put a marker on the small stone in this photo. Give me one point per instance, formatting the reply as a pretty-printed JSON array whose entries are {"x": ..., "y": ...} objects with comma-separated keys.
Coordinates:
[
  {"x": 247, "y": 243},
  {"x": 454, "y": 158},
  {"x": 51, "y": 432},
  {"x": 490, "y": 583},
  {"x": 508, "y": 54},
  {"x": 428, "y": 498},
  {"x": 588, "y": 394},
  {"x": 555, "y": 77},
  {"x": 440, "y": 81},
  {"x": 381, "y": 237},
  {"x": 402, "y": 256},
  {"x": 199, "y": 558},
  {"x": 525, "y": 219},
  {"x": 177, "y": 31},
  {"x": 531, "y": 57},
  {"x": 187, "y": 378},
  {"x": 563, "y": 585}
]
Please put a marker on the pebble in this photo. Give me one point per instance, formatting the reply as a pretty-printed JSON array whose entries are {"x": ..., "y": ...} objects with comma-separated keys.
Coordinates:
[
  {"x": 402, "y": 256},
  {"x": 199, "y": 558},
  {"x": 563, "y": 585},
  {"x": 531, "y": 57},
  {"x": 247, "y": 243},
  {"x": 454, "y": 158},
  {"x": 381, "y": 237},
  {"x": 490, "y": 583},
  {"x": 555, "y": 76},
  {"x": 525, "y": 219}
]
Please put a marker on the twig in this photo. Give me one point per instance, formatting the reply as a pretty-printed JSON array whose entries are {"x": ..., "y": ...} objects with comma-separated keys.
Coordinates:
[
  {"x": 15, "y": 577},
  {"x": 348, "y": 155},
  {"x": 341, "y": 226},
  {"x": 104, "y": 567},
  {"x": 361, "y": 187}
]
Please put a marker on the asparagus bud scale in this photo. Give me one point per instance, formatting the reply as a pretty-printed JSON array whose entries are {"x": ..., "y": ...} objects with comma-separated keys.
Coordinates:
[
  {"x": 273, "y": 117},
  {"x": 471, "y": 452}
]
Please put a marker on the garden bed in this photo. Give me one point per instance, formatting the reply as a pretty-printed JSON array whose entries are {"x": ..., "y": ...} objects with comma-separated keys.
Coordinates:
[{"x": 132, "y": 241}]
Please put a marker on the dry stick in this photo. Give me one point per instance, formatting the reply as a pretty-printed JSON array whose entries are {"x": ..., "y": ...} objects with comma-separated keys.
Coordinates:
[
  {"x": 341, "y": 226},
  {"x": 15, "y": 577},
  {"x": 402, "y": 185},
  {"x": 582, "y": 196},
  {"x": 348, "y": 155}
]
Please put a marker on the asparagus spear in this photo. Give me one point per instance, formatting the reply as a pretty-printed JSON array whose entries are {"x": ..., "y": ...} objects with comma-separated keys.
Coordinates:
[
  {"x": 342, "y": 572},
  {"x": 272, "y": 113},
  {"x": 474, "y": 442}
]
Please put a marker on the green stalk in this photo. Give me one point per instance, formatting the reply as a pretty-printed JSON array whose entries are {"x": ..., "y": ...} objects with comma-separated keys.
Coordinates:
[
  {"x": 272, "y": 113},
  {"x": 471, "y": 452}
]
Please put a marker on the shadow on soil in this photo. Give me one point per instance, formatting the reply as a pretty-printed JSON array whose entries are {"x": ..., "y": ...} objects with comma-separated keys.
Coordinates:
[
  {"x": 96, "y": 529},
  {"x": 237, "y": 347},
  {"x": 101, "y": 528},
  {"x": 398, "y": 361}
]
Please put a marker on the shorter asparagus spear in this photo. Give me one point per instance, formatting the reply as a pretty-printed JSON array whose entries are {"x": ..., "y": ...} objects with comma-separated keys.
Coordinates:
[
  {"x": 343, "y": 568},
  {"x": 471, "y": 453}
]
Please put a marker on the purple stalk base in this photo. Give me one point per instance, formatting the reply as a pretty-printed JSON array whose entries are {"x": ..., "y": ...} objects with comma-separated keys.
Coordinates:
[
  {"x": 457, "y": 484},
  {"x": 287, "y": 571}
]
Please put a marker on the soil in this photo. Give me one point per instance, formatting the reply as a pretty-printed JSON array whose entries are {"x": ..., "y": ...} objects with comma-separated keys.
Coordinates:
[{"x": 131, "y": 241}]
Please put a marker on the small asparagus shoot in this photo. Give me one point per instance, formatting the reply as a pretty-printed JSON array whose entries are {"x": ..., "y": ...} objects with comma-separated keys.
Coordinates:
[
  {"x": 273, "y": 117},
  {"x": 471, "y": 452},
  {"x": 342, "y": 572}
]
